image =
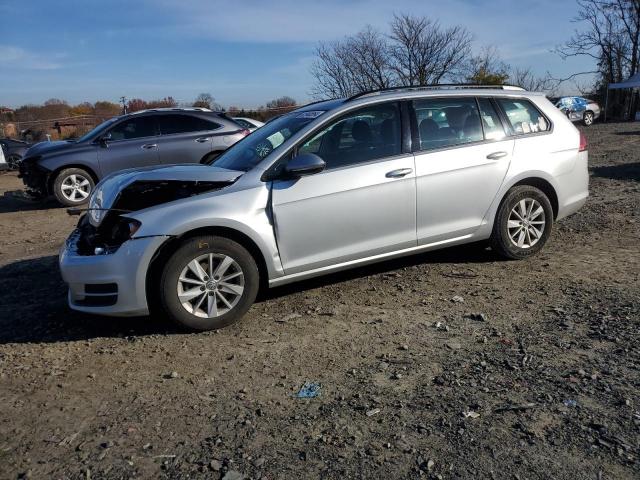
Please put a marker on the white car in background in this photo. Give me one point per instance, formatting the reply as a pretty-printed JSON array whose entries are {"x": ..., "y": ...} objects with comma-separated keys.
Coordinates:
[
  {"x": 248, "y": 123},
  {"x": 3, "y": 162}
]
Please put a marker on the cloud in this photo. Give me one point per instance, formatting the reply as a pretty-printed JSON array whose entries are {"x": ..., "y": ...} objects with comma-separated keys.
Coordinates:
[
  {"x": 16, "y": 57},
  {"x": 286, "y": 21}
]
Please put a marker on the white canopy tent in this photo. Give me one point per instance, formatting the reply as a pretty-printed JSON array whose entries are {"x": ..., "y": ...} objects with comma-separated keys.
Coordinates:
[{"x": 631, "y": 82}]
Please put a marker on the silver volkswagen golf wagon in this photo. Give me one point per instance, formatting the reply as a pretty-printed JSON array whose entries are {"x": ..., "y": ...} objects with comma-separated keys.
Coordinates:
[{"x": 332, "y": 185}]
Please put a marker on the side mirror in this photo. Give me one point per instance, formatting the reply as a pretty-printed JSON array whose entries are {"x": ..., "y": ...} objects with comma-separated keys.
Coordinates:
[
  {"x": 303, "y": 165},
  {"x": 104, "y": 140}
]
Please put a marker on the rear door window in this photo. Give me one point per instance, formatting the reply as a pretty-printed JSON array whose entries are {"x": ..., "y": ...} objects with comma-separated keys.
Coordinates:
[
  {"x": 172, "y": 124},
  {"x": 447, "y": 122},
  {"x": 491, "y": 123},
  {"x": 523, "y": 117},
  {"x": 243, "y": 123}
]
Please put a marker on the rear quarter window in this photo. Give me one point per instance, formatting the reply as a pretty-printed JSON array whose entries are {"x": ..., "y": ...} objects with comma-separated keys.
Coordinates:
[
  {"x": 523, "y": 117},
  {"x": 172, "y": 124}
]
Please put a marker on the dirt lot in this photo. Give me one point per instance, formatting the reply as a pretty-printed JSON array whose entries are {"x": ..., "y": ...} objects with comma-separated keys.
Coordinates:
[{"x": 414, "y": 381}]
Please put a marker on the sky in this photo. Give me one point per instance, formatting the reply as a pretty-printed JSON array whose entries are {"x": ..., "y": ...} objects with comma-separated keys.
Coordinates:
[{"x": 243, "y": 52}]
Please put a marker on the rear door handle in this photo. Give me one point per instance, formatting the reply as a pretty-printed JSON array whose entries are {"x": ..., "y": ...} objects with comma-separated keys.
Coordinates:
[
  {"x": 148, "y": 146},
  {"x": 203, "y": 139},
  {"x": 401, "y": 172},
  {"x": 497, "y": 155}
]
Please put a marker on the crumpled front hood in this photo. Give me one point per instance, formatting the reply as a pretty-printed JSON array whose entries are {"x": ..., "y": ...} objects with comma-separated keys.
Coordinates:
[
  {"x": 108, "y": 190},
  {"x": 49, "y": 147}
]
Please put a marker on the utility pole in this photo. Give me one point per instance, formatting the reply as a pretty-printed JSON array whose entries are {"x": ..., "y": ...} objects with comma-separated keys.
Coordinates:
[{"x": 123, "y": 100}]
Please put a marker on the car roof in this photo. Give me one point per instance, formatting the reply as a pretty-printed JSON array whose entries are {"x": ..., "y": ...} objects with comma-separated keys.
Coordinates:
[
  {"x": 174, "y": 109},
  {"x": 322, "y": 105},
  {"x": 419, "y": 92}
]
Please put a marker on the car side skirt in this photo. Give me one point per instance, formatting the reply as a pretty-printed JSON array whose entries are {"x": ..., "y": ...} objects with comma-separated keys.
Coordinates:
[{"x": 374, "y": 259}]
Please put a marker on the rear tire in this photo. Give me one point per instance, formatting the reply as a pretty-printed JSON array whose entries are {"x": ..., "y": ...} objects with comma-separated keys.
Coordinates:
[
  {"x": 523, "y": 223},
  {"x": 73, "y": 186},
  {"x": 208, "y": 283}
]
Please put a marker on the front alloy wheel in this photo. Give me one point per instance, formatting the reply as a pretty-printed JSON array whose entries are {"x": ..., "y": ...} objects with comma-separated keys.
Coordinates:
[
  {"x": 208, "y": 283},
  {"x": 73, "y": 186}
]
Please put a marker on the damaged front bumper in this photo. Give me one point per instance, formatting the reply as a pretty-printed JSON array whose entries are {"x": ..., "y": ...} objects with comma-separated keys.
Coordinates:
[
  {"x": 113, "y": 284},
  {"x": 34, "y": 177}
]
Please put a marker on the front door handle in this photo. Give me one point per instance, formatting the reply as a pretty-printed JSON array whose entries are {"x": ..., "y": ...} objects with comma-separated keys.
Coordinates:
[
  {"x": 401, "y": 172},
  {"x": 497, "y": 155},
  {"x": 148, "y": 146},
  {"x": 203, "y": 139}
]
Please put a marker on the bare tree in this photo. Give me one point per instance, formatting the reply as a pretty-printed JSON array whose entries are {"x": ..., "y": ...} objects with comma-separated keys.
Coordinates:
[
  {"x": 204, "y": 100},
  {"x": 525, "y": 78},
  {"x": 422, "y": 52},
  {"x": 487, "y": 68},
  {"x": 418, "y": 51},
  {"x": 282, "y": 103},
  {"x": 353, "y": 65}
]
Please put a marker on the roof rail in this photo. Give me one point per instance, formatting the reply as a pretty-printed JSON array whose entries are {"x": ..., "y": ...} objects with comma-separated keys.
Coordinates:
[
  {"x": 437, "y": 86},
  {"x": 172, "y": 109}
]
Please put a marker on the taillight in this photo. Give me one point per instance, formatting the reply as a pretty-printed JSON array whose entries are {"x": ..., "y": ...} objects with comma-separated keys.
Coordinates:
[
  {"x": 245, "y": 132},
  {"x": 583, "y": 143}
]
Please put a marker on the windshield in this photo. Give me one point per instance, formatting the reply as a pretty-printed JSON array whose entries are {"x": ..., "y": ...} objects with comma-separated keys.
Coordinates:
[
  {"x": 97, "y": 130},
  {"x": 252, "y": 149}
]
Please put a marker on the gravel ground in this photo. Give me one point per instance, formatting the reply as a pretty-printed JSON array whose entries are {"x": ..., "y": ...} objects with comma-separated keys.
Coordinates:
[{"x": 451, "y": 364}]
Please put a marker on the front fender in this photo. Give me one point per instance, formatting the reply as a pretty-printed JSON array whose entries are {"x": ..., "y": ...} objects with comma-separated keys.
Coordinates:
[
  {"x": 86, "y": 158},
  {"x": 245, "y": 211}
]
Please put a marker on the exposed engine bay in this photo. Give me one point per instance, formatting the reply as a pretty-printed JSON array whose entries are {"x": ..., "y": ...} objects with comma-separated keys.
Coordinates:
[{"x": 115, "y": 228}]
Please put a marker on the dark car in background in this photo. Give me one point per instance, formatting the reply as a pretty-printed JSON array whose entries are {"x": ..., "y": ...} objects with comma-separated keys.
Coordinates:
[
  {"x": 70, "y": 169},
  {"x": 579, "y": 109},
  {"x": 13, "y": 151}
]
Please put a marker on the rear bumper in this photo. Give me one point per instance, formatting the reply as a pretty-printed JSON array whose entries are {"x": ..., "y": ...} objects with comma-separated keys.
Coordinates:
[{"x": 113, "y": 284}]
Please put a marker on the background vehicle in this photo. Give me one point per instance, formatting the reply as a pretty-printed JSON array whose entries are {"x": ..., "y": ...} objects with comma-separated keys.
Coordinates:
[
  {"x": 248, "y": 123},
  {"x": 70, "y": 169},
  {"x": 3, "y": 163},
  {"x": 579, "y": 109},
  {"x": 327, "y": 187},
  {"x": 13, "y": 151}
]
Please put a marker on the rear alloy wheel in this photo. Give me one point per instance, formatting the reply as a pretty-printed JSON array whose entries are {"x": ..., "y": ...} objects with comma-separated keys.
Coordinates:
[
  {"x": 209, "y": 283},
  {"x": 523, "y": 223},
  {"x": 587, "y": 119},
  {"x": 73, "y": 186}
]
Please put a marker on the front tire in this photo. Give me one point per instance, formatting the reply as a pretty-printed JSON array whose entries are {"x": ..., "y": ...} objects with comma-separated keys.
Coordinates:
[
  {"x": 587, "y": 119},
  {"x": 208, "y": 283},
  {"x": 73, "y": 186},
  {"x": 523, "y": 223}
]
